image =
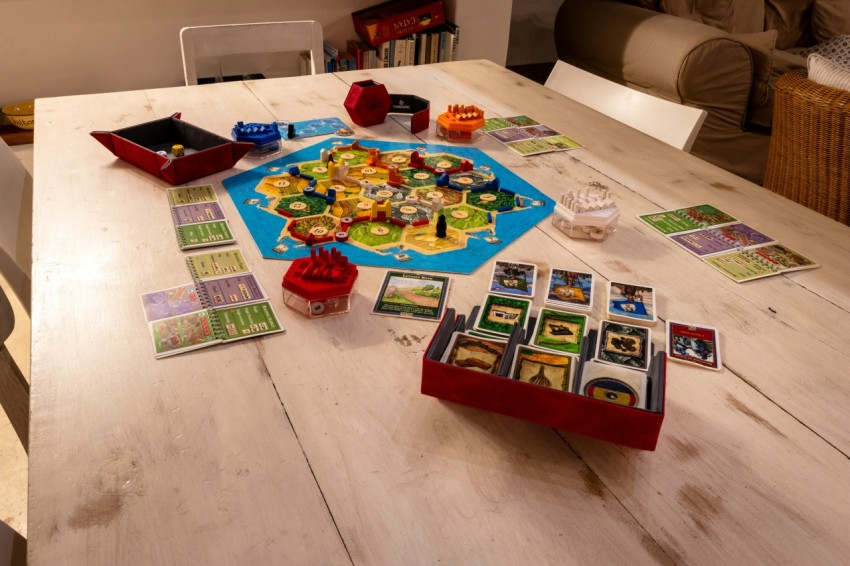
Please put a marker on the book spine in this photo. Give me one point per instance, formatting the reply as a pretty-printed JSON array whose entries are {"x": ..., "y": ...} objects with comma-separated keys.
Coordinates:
[
  {"x": 411, "y": 50},
  {"x": 441, "y": 50}
]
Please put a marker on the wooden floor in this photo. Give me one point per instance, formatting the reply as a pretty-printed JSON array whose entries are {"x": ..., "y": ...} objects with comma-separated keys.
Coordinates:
[{"x": 13, "y": 459}]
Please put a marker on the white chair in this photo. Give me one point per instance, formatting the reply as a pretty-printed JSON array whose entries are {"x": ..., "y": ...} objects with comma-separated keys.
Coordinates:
[
  {"x": 207, "y": 42},
  {"x": 13, "y": 547},
  {"x": 14, "y": 389},
  {"x": 672, "y": 123},
  {"x": 15, "y": 224}
]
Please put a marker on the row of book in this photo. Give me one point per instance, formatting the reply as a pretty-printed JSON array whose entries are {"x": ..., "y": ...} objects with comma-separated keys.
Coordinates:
[{"x": 435, "y": 45}]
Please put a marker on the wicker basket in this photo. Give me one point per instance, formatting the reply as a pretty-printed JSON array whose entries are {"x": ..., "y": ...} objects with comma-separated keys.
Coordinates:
[{"x": 809, "y": 158}]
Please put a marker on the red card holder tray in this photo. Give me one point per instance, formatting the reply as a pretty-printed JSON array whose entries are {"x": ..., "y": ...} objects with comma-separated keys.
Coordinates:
[{"x": 563, "y": 410}]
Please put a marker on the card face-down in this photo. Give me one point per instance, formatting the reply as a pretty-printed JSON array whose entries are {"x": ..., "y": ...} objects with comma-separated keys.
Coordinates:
[{"x": 614, "y": 384}]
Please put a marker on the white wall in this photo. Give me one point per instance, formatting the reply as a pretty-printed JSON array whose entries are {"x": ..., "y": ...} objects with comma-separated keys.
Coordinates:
[{"x": 64, "y": 47}]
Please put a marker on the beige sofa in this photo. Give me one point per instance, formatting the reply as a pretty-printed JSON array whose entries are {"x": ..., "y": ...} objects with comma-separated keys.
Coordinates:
[{"x": 723, "y": 56}]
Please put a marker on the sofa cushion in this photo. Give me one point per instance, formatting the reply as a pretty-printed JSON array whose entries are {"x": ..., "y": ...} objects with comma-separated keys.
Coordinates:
[
  {"x": 761, "y": 47},
  {"x": 828, "y": 73},
  {"x": 830, "y": 18},
  {"x": 732, "y": 16},
  {"x": 836, "y": 50},
  {"x": 791, "y": 18}
]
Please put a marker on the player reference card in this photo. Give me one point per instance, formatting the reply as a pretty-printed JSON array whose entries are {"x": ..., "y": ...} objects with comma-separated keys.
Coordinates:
[
  {"x": 413, "y": 295},
  {"x": 624, "y": 345},
  {"x": 570, "y": 289},
  {"x": 513, "y": 278},
  {"x": 689, "y": 343}
]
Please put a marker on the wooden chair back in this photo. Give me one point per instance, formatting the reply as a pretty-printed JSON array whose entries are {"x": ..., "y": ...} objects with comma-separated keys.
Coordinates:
[
  {"x": 205, "y": 42},
  {"x": 674, "y": 124}
]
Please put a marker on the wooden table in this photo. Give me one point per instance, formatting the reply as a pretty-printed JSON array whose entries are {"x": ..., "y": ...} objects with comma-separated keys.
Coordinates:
[{"x": 316, "y": 447}]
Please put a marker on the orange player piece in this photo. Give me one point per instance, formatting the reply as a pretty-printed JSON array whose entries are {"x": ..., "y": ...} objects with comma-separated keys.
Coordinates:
[{"x": 460, "y": 123}]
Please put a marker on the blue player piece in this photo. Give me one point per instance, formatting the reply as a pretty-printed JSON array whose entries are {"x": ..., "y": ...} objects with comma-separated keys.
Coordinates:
[{"x": 258, "y": 134}]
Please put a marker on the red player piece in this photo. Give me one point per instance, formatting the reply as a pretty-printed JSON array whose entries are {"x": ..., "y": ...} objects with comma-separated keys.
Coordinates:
[{"x": 321, "y": 284}]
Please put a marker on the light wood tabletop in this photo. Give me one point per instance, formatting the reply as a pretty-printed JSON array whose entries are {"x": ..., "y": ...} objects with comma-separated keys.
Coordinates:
[{"x": 315, "y": 446}]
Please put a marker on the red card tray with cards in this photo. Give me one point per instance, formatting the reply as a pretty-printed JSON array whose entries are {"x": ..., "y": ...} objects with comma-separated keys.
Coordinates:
[
  {"x": 150, "y": 146},
  {"x": 572, "y": 412}
]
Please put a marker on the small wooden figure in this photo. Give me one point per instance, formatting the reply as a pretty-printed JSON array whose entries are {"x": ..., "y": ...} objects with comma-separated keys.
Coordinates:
[{"x": 441, "y": 226}]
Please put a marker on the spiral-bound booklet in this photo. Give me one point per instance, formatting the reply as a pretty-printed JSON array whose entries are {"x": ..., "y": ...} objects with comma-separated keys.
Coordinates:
[
  {"x": 226, "y": 302},
  {"x": 199, "y": 220},
  {"x": 737, "y": 250}
]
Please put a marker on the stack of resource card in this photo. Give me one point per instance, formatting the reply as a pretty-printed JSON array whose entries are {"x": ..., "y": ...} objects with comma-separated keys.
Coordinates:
[
  {"x": 225, "y": 303},
  {"x": 737, "y": 250},
  {"x": 199, "y": 220}
]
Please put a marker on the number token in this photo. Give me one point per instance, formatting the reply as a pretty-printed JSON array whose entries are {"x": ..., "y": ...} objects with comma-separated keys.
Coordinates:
[
  {"x": 384, "y": 193},
  {"x": 369, "y": 170},
  {"x": 444, "y": 164},
  {"x": 298, "y": 205},
  {"x": 488, "y": 197},
  {"x": 399, "y": 159},
  {"x": 408, "y": 210},
  {"x": 460, "y": 214},
  {"x": 281, "y": 184},
  {"x": 348, "y": 156},
  {"x": 364, "y": 205},
  {"x": 380, "y": 230},
  {"x": 421, "y": 176},
  {"x": 318, "y": 230},
  {"x": 434, "y": 195},
  {"x": 465, "y": 180},
  {"x": 320, "y": 169}
]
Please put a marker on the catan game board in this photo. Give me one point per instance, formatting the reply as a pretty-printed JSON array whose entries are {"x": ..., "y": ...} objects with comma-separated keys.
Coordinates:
[{"x": 380, "y": 203}]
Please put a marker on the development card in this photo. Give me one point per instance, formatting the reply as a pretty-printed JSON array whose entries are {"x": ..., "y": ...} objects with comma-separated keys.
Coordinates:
[
  {"x": 689, "y": 343},
  {"x": 516, "y": 279},
  {"x": 624, "y": 345},
  {"x": 630, "y": 303},
  {"x": 542, "y": 367},
  {"x": 570, "y": 289},
  {"x": 475, "y": 353},
  {"x": 498, "y": 314},
  {"x": 412, "y": 295},
  {"x": 559, "y": 330},
  {"x": 614, "y": 384}
]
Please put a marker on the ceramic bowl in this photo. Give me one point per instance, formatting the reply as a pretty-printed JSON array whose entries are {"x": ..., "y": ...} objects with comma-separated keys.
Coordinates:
[{"x": 21, "y": 114}]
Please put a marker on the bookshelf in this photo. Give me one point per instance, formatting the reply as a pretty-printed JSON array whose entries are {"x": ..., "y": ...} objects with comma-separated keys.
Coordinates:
[{"x": 483, "y": 26}]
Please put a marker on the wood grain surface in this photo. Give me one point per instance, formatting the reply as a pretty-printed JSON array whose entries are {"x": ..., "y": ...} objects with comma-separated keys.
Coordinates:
[{"x": 315, "y": 446}]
